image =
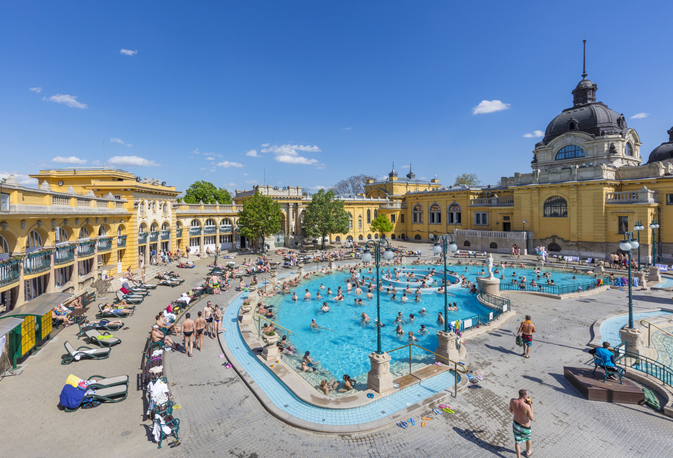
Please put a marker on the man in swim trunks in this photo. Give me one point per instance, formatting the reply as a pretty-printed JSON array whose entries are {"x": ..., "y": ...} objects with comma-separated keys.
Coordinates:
[
  {"x": 200, "y": 325},
  {"x": 522, "y": 409},
  {"x": 208, "y": 315},
  {"x": 188, "y": 334},
  {"x": 526, "y": 331}
]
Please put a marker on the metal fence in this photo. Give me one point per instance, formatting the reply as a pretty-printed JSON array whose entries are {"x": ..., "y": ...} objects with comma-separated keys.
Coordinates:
[
  {"x": 643, "y": 364},
  {"x": 555, "y": 289}
]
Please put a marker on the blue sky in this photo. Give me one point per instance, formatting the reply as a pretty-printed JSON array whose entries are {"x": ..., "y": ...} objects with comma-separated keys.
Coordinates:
[{"x": 312, "y": 92}]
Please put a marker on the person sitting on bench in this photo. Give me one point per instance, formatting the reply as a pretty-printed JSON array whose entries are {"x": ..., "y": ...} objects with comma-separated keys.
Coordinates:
[{"x": 607, "y": 359}]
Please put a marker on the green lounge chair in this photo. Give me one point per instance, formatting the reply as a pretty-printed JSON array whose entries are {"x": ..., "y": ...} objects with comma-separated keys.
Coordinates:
[
  {"x": 105, "y": 382},
  {"x": 103, "y": 314},
  {"x": 83, "y": 352},
  {"x": 92, "y": 336},
  {"x": 110, "y": 394}
]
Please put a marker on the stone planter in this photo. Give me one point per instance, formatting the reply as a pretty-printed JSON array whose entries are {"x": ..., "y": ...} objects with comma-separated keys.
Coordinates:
[
  {"x": 270, "y": 352},
  {"x": 270, "y": 340}
]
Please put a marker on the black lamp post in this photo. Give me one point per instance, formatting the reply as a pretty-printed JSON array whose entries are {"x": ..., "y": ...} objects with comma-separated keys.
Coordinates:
[
  {"x": 638, "y": 227},
  {"x": 628, "y": 244},
  {"x": 442, "y": 245},
  {"x": 654, "y": 225},
  {"x": 388, "y": 254}
]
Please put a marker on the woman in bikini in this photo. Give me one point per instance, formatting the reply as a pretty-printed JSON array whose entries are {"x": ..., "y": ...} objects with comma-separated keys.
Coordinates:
[
  {"x": 188, "y": 334},
  {"x": 218, "y": 320},
  {"x": 200, "y": 325}
]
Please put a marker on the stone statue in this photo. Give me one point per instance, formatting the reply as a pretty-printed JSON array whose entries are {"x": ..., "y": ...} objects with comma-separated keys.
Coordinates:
[{"x": 490, "y": 265}]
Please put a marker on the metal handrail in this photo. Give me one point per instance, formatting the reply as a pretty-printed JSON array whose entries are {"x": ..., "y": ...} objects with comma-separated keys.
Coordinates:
[
  {"x": 643, "y": 364},
  {"x": 259, "y": 324},
  {"x": 649, "y": 331},
  {"x": 455, "y": 364}
]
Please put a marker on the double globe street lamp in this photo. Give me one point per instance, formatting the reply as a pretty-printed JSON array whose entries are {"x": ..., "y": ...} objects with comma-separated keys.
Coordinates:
[
  {"x": 380, "y": 248},
  {"x": 629, "y": 243},
  {"x": 638, "y": 227},
  {"x": 442, "y": 245}
]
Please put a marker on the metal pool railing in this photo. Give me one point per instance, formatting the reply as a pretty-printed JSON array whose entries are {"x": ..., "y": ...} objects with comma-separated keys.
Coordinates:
[
  {"x": 643, "y": 364},
  {"x": 463, "y": 369},
  {"x": 649, "y": 331},
  {"x": 556, "y": 290},
  {"x": 257, "y": 319}
]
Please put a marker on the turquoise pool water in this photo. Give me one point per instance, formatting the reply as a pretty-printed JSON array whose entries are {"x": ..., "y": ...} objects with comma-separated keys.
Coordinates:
[
  {"x": 344, "y": 342},
  {"x": 610, "y": 327},
  {"x": 667, "y": 283}
]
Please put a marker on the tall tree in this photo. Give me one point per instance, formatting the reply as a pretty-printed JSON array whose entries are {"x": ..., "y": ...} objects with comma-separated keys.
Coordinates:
[
  {"x": 259, "y": 218},
  {"x": 325, "y": 216},
  {"x": 381, "y": 224},
  {"x": 352, "y": 185},
  {"x": 206, "y": 192},
  {"x": 467, "y": 179}
]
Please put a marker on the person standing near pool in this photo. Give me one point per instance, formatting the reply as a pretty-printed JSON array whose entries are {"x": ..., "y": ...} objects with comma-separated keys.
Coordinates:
[
  {"x": 208, "y": 315},
  {"x": 200, "y": 325},
  {"x": 522, "y": 410},
  {"x": 307, "y": 296},
  {"x": 526, "y": 331},
  {"x": 188, "y": 334}
]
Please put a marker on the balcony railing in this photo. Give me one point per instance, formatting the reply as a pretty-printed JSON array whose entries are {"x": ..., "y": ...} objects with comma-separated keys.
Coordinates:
[
  {"x": 178, "y": 233},
  {"x": 643, "y": 196},
  {"x": 86, "y": 249},
  {"x": 492, "y": 202},
  {"x": 194, "y": 231},
  {"x": 226, "y": 229},
  {"x": 142, "y": 238},
  {"x": 37, "y": 262},
  {"x": 105, "y": 244},
  {"x": 60, "y": 200},
  {"x": 210, "y": 230},
  {"x": 121, "y": 241},
  {"x": 154, "y": 236},
  {"x": 64, "y": 254},
  {"x": 165, "y": 235},
  {"x": 492, "y": 234},
  {"x": 9, "y": 271}
]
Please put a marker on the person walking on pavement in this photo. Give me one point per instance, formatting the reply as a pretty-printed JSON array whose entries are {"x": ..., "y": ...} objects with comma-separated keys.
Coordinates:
[
  {"x": 526, "y": 331},
  {"x": 522, "y": 410},
  {"x": 188, "y": 334}
]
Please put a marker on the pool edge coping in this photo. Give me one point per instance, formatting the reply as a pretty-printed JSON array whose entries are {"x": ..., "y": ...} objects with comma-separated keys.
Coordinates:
[{"x": 597, "y": 340}]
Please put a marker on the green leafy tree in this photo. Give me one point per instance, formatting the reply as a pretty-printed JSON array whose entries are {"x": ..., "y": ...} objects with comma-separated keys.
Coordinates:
[
  {"x": 467, "y": 179},
  {"x": 325, "y": 216},
  {"x": 206, "y": 192},
  {"x": 381, "y": 224},
  {"x": 259, "y": 218}
]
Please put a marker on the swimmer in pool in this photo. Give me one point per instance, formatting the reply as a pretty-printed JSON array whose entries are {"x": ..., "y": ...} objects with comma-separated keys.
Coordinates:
[
  {"x": 423, "y": 312},
  {"x": 370, "y": 295},
  {"x": 358, "y": 291},
  {"x": 412, "y": 318},
  {"x": 440, "y": 319},
  {"x": 359, "y": 302},
  {"x": 307, "y": 296},
  {"x": 322, "y": 286},
  {"x": 294, "y": 297},
  {"x": 325, "y": 307},
  {"x": 399, "y": 318},
  {"x": 317, "y": 295},
  {"x": 394, "y": 298},
  {"x": 418, "y": 298},
  {"x": 411, "y": 337},
  {"x": 404, "y": 297},
  {"x": 329, "y": 291},
  {"x": 314, "y": 325},
  {"x": 365, "y": 318},
  {"x": 423, "y": 330},
  {"x": 399, "y": 330}
]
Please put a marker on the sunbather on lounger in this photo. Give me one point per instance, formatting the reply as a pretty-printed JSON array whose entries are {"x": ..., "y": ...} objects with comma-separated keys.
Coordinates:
[
  {"x": 117, "y": 311},
  {"x": 62, "y": 317}
]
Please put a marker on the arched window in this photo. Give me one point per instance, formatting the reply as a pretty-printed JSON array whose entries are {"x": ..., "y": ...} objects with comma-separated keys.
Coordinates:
[
  {"x": 84, "y": 233},
  {"x": 376, "y": 214},
  {"x": 154, "y": 227},
  {"x": 350, "y": 220},
  {"x": 493, "y": 245},
  {"x": 210, "y": 222},
  {"x": 227, "y": 222},
  {"x": 466, "y": 243},
  {"x": 555, "y": 207},
  {"x": 178, "y": 225},
  {"x": 628, "y": 150},
  {"x": 417, "y": 214},
  {"x": 195, "y": 223},
  {"x": 455, "y": 214},
  {"x": 166, "y": 227},
  {"x": 392, "y": 236},
  {"x": 120, "y": 232},
  {"x": 102, "y": 231},
  {"x": 369, "y": 236},
  {"x": 360, "y": 237},
  {"x": 61, "y": 235},
  {"x": 349, "y": 238},
  {"x": 554, "y": 247},
  {"x": 435, "y": 214},
  {"x": 143, "y": 229},
  {"x": 569, "y": 152},
  {"x": 359, "y": 222},
  {"x": 376, "y": 236},
  {"x": 4, "y": 246},
  {"x": 369, "y": 216},
  {"x": 417, "y": 237},
  {"x": 337, "y": 239}
]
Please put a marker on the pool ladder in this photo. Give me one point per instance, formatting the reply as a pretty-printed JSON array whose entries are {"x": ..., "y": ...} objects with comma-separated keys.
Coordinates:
[{"x": 257, "y": 319}]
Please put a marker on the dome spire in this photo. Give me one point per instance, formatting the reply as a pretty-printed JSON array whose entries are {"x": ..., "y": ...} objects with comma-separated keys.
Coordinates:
[
  {"x": 393, "y": 173},
  {"x": 584, "y": 60}
]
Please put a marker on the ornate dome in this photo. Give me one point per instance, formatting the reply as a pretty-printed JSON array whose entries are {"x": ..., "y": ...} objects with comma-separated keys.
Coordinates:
[
  {"x": 586, "y": 115},
  {"x": 664, "y": 151}
]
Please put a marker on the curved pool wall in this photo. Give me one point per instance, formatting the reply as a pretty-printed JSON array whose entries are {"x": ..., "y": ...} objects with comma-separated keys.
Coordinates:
[
  {"x": 287, "y": 402},
  {"x": 610, "y": 327}
]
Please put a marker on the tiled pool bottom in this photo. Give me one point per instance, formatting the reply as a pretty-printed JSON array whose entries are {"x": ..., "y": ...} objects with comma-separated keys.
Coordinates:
[
  {"x": 610, "y": 327},
  {"x": 290, "y": 404}
]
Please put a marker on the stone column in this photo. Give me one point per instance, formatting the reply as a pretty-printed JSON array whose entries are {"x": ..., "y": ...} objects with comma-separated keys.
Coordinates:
[
  {"x": 270, "y": 352},
  {"x": 633, "y": 340},
  {"x": 655, "y": 275},
  {"x": 447, "y": 348},
  {"x": 642, "y": 279},
  {"x": 489, "y": 285},
  {"x": 379, "y": 378}
]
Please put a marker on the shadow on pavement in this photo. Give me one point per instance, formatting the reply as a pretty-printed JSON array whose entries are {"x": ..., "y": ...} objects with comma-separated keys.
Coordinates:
[
  {"x": 566, "y": 387},
  {"x": 471, "y": 435},
  {"x": 502, "y": 349}
]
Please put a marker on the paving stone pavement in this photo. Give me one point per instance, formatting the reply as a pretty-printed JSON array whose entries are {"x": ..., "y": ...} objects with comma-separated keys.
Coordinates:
[{"x": 220, "y": 416}]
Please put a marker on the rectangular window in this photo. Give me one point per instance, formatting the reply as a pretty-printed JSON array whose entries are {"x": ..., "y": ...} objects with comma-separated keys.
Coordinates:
[
  {"x": 669, "y": 199},
  {"x": 209, "y": 240},
  {"x": 481, "y": 219},
  {"x": 4, "y": 202},
  {"x": 505, "y": 218},
  {"x": 623, "y": 224},
  {"x": 195, "y": 242},
  {"x": 36, "y": 286},
  {"x": 350, "y": 224},
  {"x": 459, "y": 218},
  {"x": 85, "y": 267},
  {"x": 227, "y": 238},
  {"x": 63, "y": 275},
  {"x": 402, "y": 218},
  {"x": 392, "y": 218},
  {"x": 359, "y": 224},
  {"x": 451, "y": 217}
]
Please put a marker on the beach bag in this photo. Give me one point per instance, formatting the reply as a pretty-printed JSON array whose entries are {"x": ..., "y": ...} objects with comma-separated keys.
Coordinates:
[
  {"x": 71, "y": 397},
  {"x": 519, "y": 341}
]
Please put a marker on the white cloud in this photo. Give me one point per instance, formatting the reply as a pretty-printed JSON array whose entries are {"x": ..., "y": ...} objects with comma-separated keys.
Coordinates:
[
  {"x": 290, "y": 150},
  {"x": 68, "y": 160},
  {"x": 128, "y": 52},
  {"x": 535, "y": 134},
  {"x": 490, "y": 106},
  {"x": 22, "y": 178},
  {"x": 230, "y": 185},
  {"x": 265, "y": 144},
  {"x": 245, "y": 174},
  {"x": 210, "y": 158},
  {"x": 640, "y": 116},
  {"x": 70, "y": 100},
  {"x": 212, "y": 170},
  {"x": 134, "y": 161},
  {"x": 251, "y": 181},
  {"x": 218, "y": 155},
  {"x": 196, "y": 151},
  {"x": 346, "y": 128},
  {"x": 227, "y": 164},
  {"x": 287, "y": 159},
  {"x": 120, "y": 141},
  {"x": 317, "y": 188},
  {"x": 35, "y": 89},
  {"x": 252, "y": 153}
]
